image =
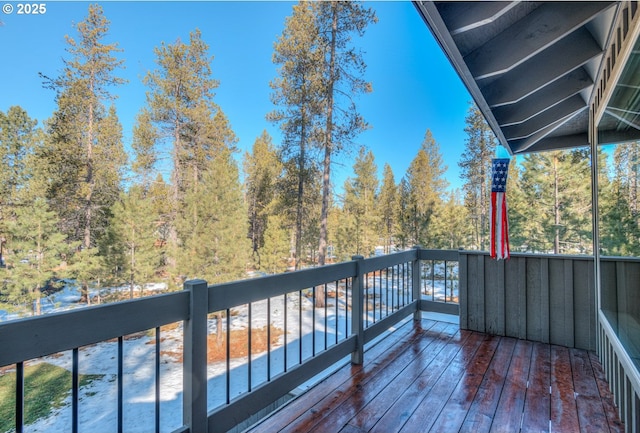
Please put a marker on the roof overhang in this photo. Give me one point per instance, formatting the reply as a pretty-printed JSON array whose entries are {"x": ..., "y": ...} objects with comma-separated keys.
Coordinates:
[{"x": 531, "y": 67}]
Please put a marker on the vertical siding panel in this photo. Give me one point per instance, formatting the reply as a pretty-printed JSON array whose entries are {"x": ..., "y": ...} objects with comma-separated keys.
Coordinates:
[
  {"x": 522, "y": 298},
  {"x": 544, "y": 305},
  {"x": 514, "y": 303},
  {"x": 556, "y": 301},
  {"x": 494, "y": 296},
  {"x": 534, "y": 299},
  {"x": 476, "y": 293},
  {"x": 481, "y": 322},
  {"x": 584, "y": 305}
]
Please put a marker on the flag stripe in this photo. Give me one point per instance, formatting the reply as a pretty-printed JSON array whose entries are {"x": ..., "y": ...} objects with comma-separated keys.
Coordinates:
[{"x": 498, "y": 213}]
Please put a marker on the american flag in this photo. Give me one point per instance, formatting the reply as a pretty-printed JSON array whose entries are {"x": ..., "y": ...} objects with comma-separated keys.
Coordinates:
[{"x": 499, "y": 220}]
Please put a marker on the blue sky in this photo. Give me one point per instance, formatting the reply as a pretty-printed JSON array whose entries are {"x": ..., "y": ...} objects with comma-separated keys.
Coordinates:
[{"x": 414, "y": 86}]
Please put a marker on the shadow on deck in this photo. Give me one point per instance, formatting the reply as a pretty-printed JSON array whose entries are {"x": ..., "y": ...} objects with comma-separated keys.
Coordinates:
[{"x": 430, "y": 376}]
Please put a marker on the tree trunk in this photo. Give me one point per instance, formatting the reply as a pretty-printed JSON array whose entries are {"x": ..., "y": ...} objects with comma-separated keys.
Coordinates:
[{"x": 328, "y": 145}]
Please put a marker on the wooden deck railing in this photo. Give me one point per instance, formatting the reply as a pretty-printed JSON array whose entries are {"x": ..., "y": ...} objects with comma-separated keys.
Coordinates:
[{"x": 355, "y": 302}]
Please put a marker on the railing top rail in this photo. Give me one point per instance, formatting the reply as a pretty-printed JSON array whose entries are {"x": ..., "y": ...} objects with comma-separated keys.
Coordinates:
[
  {"x": 233, "y": 294},
  {"x": 448, "y": 255},
  {"x": 383, "y": 262},
  {"x": 44, "y": 335}
]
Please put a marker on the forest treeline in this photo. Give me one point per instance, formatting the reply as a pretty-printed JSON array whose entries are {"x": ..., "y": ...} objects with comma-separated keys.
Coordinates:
[{"x": 75, "y": 204}]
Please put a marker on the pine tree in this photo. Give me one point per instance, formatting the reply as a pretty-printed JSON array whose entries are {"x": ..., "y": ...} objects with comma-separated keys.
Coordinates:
[
  {"x": 86, "y": 155},
  {"x": 360, "y": 202},
  {"x": 214, "y": 242},
  {"x": 296, "y": 93},
  {"x": 475, "y": 165},
  {"x": 405, "y": 215},
  {"x": 134, "y": 228},
  {"x": 450, "y": 227},
  {"x": 181, "y": 115},
  {"x": 19, "y": 142},
  {"x": 275, "y": 250},
  {"x": 427, "y": 185},
  {"x": 342, "y": 69},
  {"x": 38, "y": 249},
  {"x": 262, "y": 169},
  {"x": 553, "y": 184},
  {"x": 387, "y": 208}
]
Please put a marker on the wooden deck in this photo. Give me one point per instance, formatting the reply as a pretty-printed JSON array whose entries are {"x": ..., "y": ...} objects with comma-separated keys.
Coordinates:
[{"x": 430, "y": 376}]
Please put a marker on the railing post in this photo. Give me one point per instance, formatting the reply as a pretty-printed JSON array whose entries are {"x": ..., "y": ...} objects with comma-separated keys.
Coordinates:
[
  {"x": 357, "y": 308},
  {"x": 194, "y": 404},
  {"x": 415, "y": 283}
]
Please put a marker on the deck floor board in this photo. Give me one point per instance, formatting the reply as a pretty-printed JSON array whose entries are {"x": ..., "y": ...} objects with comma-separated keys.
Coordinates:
[{"x": 433, "y": 377}]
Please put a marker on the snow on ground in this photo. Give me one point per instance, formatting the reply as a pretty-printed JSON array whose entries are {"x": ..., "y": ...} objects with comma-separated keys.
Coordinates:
[{"x": 98, "y": 400}]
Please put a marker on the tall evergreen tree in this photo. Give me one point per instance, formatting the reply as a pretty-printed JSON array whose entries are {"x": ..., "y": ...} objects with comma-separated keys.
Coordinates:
[
  {"x": 360, "y": 202},
  {"x": 181, "y": 117},
  {"x": 275, "y": 251},
  {"x": 475, "y": 165},
  {"x": 427, "y": 186},
  {"x": 214, "y": 242},
  {"x": 387, "y": 208},
  {"x": 450, "y": 227},
  {"x": 343, "y": 69},
  {"x": 134, "y": 228},
  {"x": 296, "y": 94},
  {"x": 86, "y": 152},
  {"x": 262, "y": 169},
  {"x": 404, "y": 215},
  {"x": 558, "y": 201},
  {"x": 38, "y": 248}
]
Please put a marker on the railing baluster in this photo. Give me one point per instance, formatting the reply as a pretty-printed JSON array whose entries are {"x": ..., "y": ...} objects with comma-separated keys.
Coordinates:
[
  {"x": 268, "y": 339},
  {"x": 326, "y": 311},
  {"x": 433, "y": 280},
  {"x": 74, "y": 391},
  {"x": 374, "y": 297},
  {"x": 157, "y": 405},
  {"x": 120, "y": 383},
  {"x": 19, "y": 397},
  {"x": 300, "y": 326},
  {"x": 249, "y": 387},
  {"x": 445, "y": 282},
  {"x": 346, "y": 307},
  {"x": 386, "y": 277},
  {"x": 286, "y": 331},
  {"x": 313, "y": 319},
  {"x": 228, "y": 353},
  {"x": 336, "y": 328}
]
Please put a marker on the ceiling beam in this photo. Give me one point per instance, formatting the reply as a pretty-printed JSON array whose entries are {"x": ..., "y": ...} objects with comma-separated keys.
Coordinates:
[
  {"x": 531, "y": 35},
  {"x": 561, "y": 89},
  {"x": 539, "y": 71},
  {"x": 463, "y": 17},
  {"x": 524, "y": 145},
  {"x": 562, "y": 110}
]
